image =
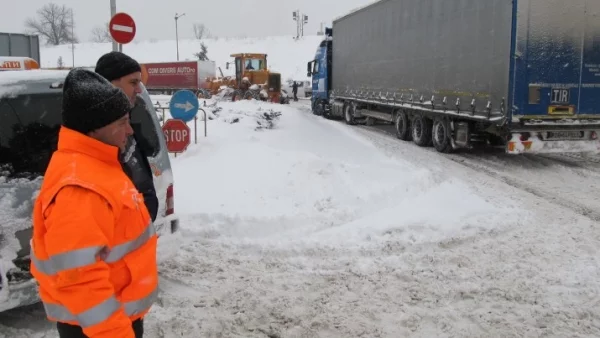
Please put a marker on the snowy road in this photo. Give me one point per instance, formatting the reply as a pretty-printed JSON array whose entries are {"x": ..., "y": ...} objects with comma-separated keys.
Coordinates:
[
  {"x": 569, "y": 180},
  {"x": 317, "y": 229}
]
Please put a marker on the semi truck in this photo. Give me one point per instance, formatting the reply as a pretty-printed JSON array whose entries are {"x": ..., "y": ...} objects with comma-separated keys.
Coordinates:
[{"x": 520, "y": 74}]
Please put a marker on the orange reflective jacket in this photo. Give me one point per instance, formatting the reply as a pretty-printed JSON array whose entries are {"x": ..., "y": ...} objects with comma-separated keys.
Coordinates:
[{"x": 93, "y": 250}]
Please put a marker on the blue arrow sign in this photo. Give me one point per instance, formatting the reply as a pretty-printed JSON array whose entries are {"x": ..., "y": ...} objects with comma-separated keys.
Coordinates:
[{"x": 184, "y": 105}]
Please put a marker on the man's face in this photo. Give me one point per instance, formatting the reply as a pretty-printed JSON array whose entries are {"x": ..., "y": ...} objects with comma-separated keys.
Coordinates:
[
  {"x": 130, "y": 84},
  {"x": 114, "y": 134}
]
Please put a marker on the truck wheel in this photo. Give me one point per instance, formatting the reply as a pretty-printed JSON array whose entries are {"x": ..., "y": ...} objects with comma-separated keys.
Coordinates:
[
  {"x": 402, "y": 125},
  {"x": 251, "y": 94},
  {"x": 237, "y": 95},
  {"x": 441, "y": 136},
  {"x": 318, "y": 108},
  {"x": 349, "y": 114},
  {"x": 421, "y": 131}
]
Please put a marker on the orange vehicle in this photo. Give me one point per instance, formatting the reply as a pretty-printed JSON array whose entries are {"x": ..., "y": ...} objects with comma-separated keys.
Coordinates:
[
  {"x": 253, "y": 80},
  {"x": 17, "y": 63}
]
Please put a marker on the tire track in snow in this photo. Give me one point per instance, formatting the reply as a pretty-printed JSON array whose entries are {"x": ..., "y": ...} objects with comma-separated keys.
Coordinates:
[
  {"x": 477, "y": 163},
  {"x": 519, "y": 184}
]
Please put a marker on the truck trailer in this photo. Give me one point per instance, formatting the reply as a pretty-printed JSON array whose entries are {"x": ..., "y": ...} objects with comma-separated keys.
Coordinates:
[
  {"x": 169, "y": 77},
  {"x": 521, "y": 74}
]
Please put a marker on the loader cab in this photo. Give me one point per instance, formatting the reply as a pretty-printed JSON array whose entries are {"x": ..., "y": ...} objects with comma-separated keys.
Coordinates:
[
  {"x": 248, "y": 65},
  {"x": 320, "y": 69}
]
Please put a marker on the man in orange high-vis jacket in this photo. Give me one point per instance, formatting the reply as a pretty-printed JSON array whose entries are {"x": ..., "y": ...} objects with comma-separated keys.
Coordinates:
[{"x": 93, "y": 250}]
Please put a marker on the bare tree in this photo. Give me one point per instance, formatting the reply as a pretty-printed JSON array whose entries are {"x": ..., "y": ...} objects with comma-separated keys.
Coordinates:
[
  {"x": 101, "y": 34},
  {"x": 53, "y": 22},
  {"x": 200, "y": 31}
]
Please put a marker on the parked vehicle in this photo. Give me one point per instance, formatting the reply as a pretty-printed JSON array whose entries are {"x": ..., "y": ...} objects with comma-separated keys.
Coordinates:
[
  {"x": 17, "y": 63},
  {"x": 523, "y": 74},
  {"x": 304, "y": 87},
  {"x": 169, "y": 77},
  {"x": 30, "y": 115}
]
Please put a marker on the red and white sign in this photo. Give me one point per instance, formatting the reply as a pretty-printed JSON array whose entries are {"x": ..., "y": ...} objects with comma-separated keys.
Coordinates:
[
  {"x": 177, "y": 134},
  {"x": 122, "y": 28},
  {"x": 177, "y": 75}
]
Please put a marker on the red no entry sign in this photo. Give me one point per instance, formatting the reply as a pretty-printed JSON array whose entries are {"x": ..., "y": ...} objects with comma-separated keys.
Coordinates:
[
  {"x": 122, "y": 28},
  {"x": 177, "y": 135}
]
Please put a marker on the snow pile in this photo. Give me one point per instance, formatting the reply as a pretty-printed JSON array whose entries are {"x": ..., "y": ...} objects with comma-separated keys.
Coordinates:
[
  {"x": 17, "y": 197},
  {"x": 284, "y": 54},
  {"x": 298, "y": 231},
  {"x": 296, "y": 182}
]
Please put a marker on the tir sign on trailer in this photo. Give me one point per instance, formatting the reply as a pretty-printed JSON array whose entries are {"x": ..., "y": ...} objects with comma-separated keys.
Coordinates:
[{"x": 122, "y": 28}]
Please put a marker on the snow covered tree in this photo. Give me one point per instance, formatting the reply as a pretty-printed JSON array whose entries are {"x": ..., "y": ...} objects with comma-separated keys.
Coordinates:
[{"x": 201, "y": 55}]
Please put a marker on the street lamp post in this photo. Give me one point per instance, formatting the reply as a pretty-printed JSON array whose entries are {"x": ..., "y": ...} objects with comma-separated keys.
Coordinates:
[
  {"x": 177, "y": 33},
  {"x": 113, "y": 11}
]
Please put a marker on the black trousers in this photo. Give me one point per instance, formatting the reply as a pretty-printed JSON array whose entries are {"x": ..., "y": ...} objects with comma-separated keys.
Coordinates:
[{"x": 72, "y": 331}]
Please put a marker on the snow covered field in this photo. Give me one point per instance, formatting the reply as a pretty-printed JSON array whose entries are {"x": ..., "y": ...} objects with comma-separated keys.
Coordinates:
[
  {"x": 284, "y": 54},
  {"x": 309, "y": 228}
]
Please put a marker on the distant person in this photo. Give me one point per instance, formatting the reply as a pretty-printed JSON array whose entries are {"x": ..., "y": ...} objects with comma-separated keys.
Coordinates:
[
  {"x": 93, "y": 249},
  {"x": 126, "y": 73},
  {"x": 295, "y": 90}
]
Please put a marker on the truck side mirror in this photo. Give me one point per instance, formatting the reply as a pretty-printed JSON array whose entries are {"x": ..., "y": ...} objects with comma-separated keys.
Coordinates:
[{"x": 309, "y": 68}]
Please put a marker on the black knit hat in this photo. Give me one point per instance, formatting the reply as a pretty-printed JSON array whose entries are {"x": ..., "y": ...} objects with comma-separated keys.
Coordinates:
[
  {"x": 115, "y": 65},
  {"x": 91, "y": 102}
]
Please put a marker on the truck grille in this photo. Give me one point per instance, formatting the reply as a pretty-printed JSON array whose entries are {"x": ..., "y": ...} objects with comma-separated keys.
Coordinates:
[{"x": 275, "y": 82}]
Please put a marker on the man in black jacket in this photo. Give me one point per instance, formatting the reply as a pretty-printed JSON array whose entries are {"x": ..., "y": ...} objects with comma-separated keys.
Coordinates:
[{"x": 124, "y": 72}]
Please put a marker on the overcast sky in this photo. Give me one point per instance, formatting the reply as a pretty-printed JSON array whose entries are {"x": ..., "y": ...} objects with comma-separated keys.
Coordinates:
[{"x": 155, "y": 18}]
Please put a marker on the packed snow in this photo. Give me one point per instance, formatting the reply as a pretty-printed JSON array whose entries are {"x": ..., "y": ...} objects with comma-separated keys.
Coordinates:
[{"x": 297, "y": 226}]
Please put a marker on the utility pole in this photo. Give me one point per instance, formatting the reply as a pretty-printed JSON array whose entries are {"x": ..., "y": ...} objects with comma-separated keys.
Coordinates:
[
  {"x": 177, "y": 33},
  {"x": 113, "y": 11},
  {"x": 72, "y": 38}
]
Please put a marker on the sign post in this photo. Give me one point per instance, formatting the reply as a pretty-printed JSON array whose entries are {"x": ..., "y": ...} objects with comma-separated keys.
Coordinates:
[
  {"x": 184, "y": 106},
  {"x": 177, "y": 135},
  {"x": 122, "y": 29}
]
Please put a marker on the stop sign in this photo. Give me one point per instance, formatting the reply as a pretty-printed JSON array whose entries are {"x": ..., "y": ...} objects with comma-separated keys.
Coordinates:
[{"x": 177, "y": 135}]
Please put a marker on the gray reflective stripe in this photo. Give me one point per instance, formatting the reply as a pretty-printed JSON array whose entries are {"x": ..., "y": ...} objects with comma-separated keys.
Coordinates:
[
  {"x": 138, "y": 306},
  {"x": 100, "y": 312},
  {"x": 65, "y": 261},
  {"x": 87, "y": 256},
  {"x": 87, "y": 318},
  {"x": 119, "y": 251}
]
